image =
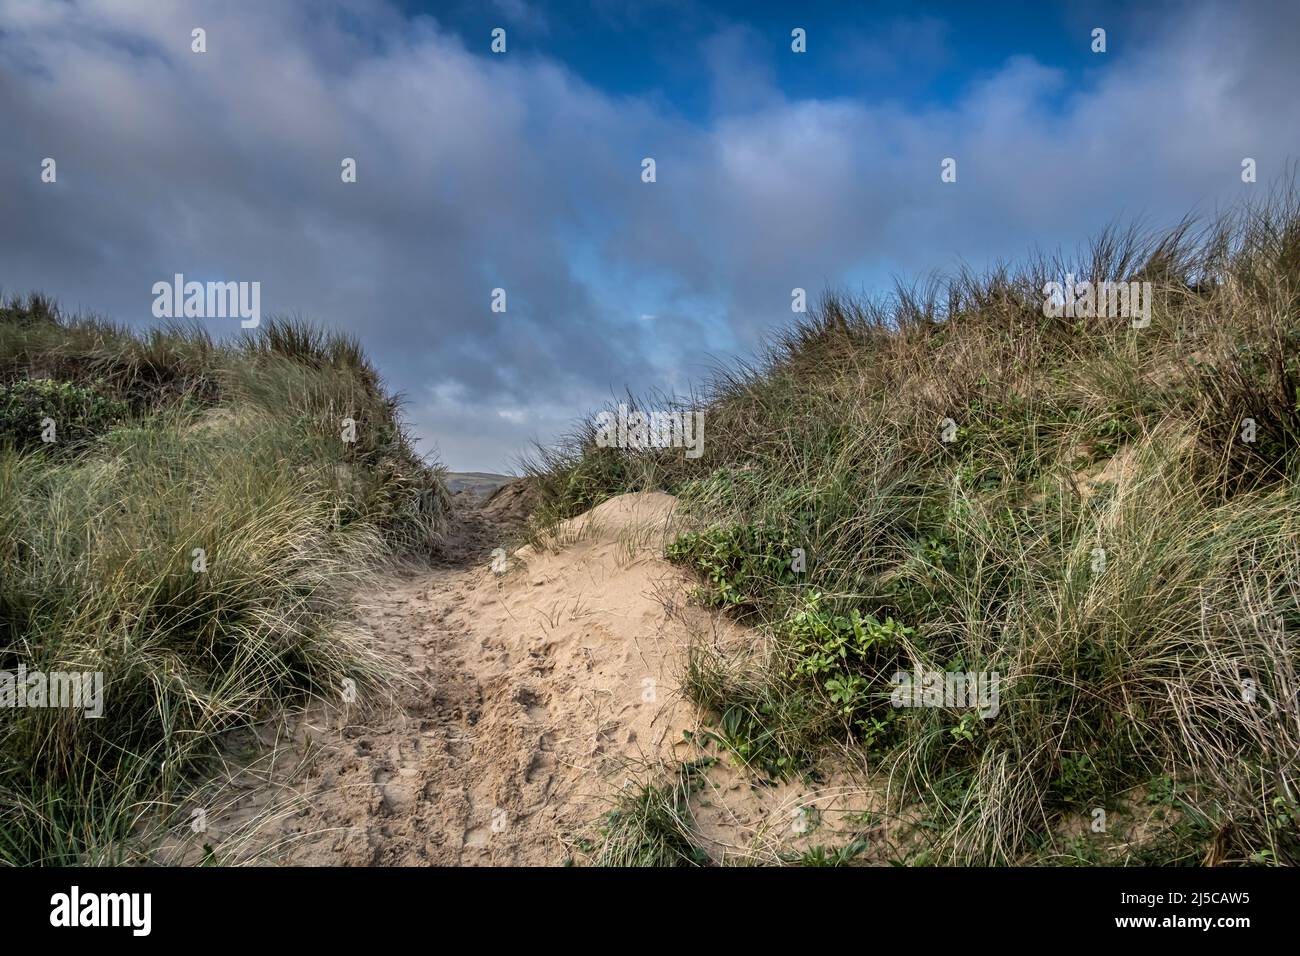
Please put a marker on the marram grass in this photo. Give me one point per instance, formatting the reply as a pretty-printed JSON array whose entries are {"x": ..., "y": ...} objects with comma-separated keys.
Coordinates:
[
  {"x": 1112, "y": 526},
  {"x": 194, "y": 534}
]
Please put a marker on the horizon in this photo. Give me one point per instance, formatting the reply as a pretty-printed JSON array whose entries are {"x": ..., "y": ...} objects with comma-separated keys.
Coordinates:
[{"x": 523, "y": 171}]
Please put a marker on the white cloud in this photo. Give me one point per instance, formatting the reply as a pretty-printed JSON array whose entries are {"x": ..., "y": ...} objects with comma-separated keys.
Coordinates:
[{"x": 477, "y": 171}]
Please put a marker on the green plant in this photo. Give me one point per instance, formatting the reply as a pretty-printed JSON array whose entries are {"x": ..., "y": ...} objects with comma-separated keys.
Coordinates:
[
  {"x": 58, "y": 415},
  {"x": 736, "y": 561},
  {"x": 820, "y": 856},
  {"x": 650, "y": 826},
  {"x": 825, "y": 643}
]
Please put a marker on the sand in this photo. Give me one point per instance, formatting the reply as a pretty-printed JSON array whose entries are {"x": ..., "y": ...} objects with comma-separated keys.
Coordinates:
[{"x": 533, "y": 685}]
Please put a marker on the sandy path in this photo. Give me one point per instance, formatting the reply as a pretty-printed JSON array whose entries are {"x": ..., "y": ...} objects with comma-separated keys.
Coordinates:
[{"x": 530, "y": 694}]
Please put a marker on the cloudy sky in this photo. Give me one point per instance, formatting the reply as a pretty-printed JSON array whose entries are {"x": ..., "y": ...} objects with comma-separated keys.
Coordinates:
[{"x": 522, "y": 170}]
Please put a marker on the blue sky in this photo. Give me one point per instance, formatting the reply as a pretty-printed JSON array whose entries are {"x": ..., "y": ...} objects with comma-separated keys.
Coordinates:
[
  {"x": 522, "y": 170},
  {"x": 916, "y": 53}
]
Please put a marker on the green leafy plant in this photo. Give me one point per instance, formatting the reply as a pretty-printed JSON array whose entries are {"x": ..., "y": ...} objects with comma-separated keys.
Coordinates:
[
  {"x": 738, "y": 562},
  {"x": 834, "y": 644},
  {"x": 78, "y": 413}
]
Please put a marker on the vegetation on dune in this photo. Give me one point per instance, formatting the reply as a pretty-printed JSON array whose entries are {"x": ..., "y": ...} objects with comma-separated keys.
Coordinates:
[
  {"x": 193, "y": 533},
  {"x": 1097, "y": 531},
  {"x": 650, "y": 824}
]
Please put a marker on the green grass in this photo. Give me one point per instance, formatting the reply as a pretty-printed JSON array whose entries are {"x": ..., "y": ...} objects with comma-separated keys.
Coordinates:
[
  {"x": 1097, "y": 533},
  {"x": 651, "y": 824},
  {"x": 194, "y": 533}
]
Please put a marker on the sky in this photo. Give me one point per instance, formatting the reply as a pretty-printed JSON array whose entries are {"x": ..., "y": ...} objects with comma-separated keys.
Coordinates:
[{"x": 522, "y": 170}]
